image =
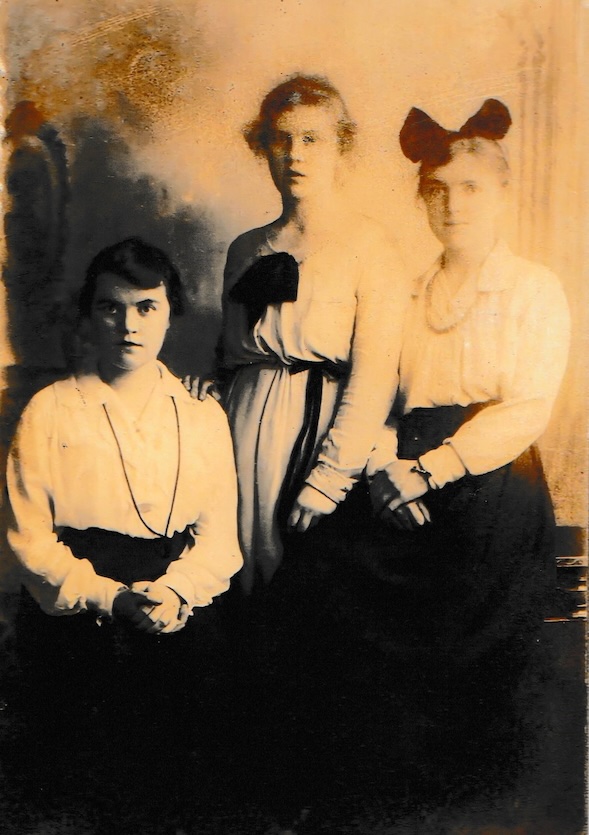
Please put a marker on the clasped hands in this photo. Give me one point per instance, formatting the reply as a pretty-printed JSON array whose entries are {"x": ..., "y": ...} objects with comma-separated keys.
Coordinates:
[
  {"x": 151, "y": 607},
  {"x": 396, "y": 494}
]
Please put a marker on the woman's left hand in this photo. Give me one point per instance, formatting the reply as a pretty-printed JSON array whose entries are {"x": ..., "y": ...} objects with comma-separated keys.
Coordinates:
[
  {"x": 410, "y": 484},
  {"x": 170, "y": 615},
  {"x": 309, "y": 507}
]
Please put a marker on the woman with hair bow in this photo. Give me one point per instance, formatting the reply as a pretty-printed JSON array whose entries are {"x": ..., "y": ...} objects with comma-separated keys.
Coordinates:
[{"x": 452, "y": 578}]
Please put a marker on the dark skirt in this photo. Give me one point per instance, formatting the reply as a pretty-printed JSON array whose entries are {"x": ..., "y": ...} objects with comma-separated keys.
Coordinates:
[
  {"x": 477, "y": 577},
  {"x": 99, "y": 698},
  {"x": 408, "y": 649}
]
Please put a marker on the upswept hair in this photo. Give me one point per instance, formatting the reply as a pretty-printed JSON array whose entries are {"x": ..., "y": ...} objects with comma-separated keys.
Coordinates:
[
  {"x": 313, "y": 90},
  {"x": 141, "y": 264}
]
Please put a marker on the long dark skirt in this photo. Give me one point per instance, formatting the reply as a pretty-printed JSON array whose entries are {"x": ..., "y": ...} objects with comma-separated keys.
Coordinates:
[
  {"x": 112, "y": 711},
  {"x": 403, "y": 652}
]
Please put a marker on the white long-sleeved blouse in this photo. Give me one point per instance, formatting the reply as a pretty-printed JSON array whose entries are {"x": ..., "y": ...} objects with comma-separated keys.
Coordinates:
[
  {"x": 510, "y": 345},
  {"x": 65, "y": 469}
]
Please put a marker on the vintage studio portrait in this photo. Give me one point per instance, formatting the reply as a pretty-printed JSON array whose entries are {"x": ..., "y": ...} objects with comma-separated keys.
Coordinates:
[{"x": 293, "y": 417}]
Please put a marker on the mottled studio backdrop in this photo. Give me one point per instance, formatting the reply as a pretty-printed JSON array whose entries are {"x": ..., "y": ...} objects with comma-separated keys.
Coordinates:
[{"x": 133, "y": 126}]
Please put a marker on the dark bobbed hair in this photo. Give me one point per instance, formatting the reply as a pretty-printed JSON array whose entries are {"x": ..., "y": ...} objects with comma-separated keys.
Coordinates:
[
  {"x": 478, "y": 146},
  {"x": 310, "y": 90},
  {"x": 139, "y": 263}
]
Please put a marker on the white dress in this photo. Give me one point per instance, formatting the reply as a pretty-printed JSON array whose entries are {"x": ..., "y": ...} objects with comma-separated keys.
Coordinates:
[{"x": 349, "y": 308}]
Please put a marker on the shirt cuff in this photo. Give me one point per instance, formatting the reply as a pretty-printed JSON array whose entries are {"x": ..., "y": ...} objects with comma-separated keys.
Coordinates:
[
  {"x": 330, "y": 482},
  {"x": 197, "y": 590},
  {"x": 444, "y": 465},
  {"x": 84, "y": 589}
]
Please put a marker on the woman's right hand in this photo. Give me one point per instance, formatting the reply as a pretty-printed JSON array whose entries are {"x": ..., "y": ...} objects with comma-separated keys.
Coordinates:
[
  {"x": 199, "y": 387},
  {"x": 131, "y": 606},
  {"x": 407, "y": 517}
]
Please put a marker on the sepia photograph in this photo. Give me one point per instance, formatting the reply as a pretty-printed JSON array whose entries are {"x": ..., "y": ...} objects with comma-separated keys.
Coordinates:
[{"x": 294, "y": 344}]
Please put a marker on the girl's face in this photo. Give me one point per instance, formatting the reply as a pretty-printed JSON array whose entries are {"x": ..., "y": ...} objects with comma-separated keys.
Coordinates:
[
  {"x": 464, "y": 200},
  {"x": 129, "y": 324},
  {"x": 303, "y": 152}
]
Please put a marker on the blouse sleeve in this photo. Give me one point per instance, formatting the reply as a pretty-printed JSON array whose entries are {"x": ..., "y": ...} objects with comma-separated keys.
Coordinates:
[
  {"x": 501, "y": 432},
  {"x": 60, "y": 582},
  {"x": 204, "y": 570},
  {"x": 381, "y": 300}
]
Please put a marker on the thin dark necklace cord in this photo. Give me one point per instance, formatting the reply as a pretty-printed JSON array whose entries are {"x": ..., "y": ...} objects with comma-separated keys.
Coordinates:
[{"x": 137, "y": 511}]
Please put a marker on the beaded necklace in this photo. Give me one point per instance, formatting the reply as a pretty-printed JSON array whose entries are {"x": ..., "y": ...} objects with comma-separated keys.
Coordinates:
[{"x": 435, "y": 320}]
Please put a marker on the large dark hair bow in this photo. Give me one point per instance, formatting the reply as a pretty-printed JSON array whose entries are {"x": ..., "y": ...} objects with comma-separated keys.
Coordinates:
[
  {"x": 271, "y": 279},
  {"x": 424, "y": 140}
]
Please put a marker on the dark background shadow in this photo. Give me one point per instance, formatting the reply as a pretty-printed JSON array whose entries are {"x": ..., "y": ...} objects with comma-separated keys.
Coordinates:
[
  {"x": 109, "y": 201},
  {"x": 62, "y": 212}
]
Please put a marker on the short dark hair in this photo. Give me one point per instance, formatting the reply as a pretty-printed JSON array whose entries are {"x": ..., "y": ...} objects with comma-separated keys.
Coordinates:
[
  {"x": 299, "y": 89},
  {"x": 139, "y": 263}
]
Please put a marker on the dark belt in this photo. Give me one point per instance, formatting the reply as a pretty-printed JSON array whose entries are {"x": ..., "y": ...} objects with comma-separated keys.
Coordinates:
[
  {"x": 423, "y": 429},
  {"x": 301, "y": 457},
  {"x": 127, "y": 559}
]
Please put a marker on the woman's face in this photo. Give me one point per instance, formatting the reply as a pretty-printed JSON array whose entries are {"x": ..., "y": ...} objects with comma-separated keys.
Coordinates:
[
  {"x": 303, "y": 152},
  {"x": 464, "y": 200},
  {"x": 129, "y": 324}
]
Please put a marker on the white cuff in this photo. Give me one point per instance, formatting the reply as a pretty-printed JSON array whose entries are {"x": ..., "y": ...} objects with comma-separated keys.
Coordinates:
[
  {"x": 444, "y": 464},
  {"x": 330, "y": 482}
]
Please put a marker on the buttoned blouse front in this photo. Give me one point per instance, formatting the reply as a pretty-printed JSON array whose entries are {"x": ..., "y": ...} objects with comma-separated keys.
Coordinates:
[{"x": 79, "y": 461}]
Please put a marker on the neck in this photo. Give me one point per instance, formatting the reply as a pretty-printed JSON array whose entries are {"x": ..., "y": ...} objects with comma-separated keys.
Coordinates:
[
  {"x": 129, "y": 382},
  {"x": 307, "y": 212},
  {"x": 464, "y": 261}
]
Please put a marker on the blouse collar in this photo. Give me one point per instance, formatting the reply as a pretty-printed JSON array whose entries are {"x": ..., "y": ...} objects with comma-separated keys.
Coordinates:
[
  {"x": 495, "y": 274},
  {"x": 90, "y": 386}
]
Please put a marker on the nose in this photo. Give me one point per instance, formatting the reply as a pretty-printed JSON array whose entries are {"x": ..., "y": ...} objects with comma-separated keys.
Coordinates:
[
  {"x": 131, "y": 320},
  {"x": 453, "y": 202},
  {"x": 297, "y": 149}
]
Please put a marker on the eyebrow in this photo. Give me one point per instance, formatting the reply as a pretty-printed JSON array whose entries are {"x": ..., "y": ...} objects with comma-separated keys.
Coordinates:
[{"x": 111, "y": 300}]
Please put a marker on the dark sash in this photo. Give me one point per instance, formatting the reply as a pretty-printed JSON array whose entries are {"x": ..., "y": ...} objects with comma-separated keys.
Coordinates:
[
  {"x": 303, "y": 452},
  {"x": 127, "y": 559}
]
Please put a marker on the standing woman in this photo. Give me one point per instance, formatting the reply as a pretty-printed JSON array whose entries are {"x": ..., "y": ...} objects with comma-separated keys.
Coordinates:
[
  {"x": 313, "y": 306},
  {"x": 457, "y": 585},
  {"x": 123, "y": 501}
]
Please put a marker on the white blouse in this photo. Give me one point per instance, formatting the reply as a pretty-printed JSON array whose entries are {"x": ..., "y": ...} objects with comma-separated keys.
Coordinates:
[
  {"x": 65, "y": 469},
  {"x": 509, "y": 344}
]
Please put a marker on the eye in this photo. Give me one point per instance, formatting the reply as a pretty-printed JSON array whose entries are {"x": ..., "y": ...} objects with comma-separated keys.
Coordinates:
[
  {"x": 471, "y": 188},
  {"x": 279, "y": 140},
  {"x": 145, "y": 307},
  {"x": 107, "y": 308},
  {"x": 308, "y": 139}
]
